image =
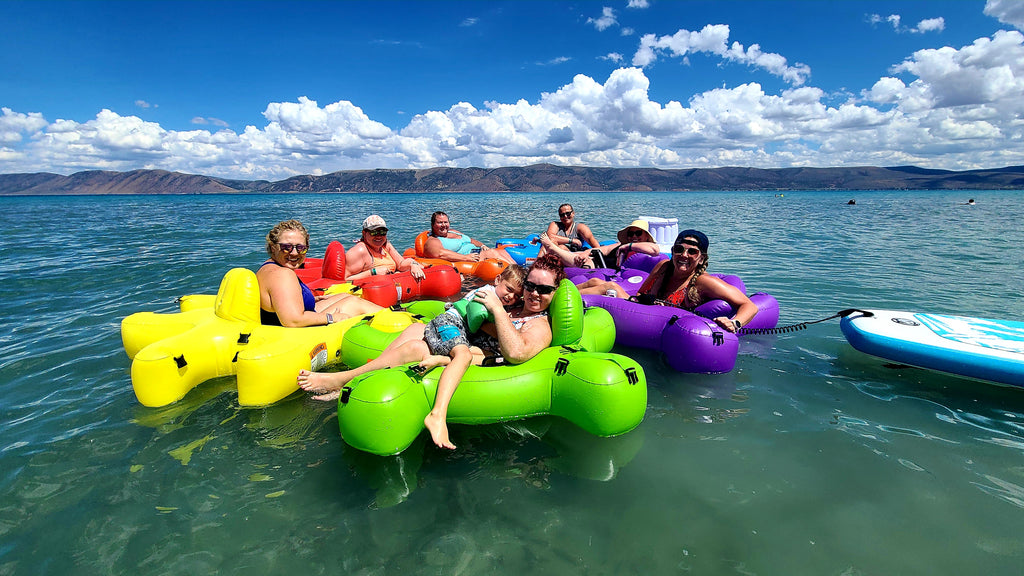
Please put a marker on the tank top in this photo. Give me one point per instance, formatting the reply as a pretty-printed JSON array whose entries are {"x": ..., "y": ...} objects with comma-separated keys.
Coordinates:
[
  {"x": 268, "y": 318},
  {"x": 571, "y": 233},
  {"x": 490, "y": 345},
  {"x": 677, "y": 298},
  {"x": 384, "y": 260}
]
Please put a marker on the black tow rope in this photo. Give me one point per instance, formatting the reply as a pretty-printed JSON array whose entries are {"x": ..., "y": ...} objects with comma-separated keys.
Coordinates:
[{"x": 801, "y": 325}]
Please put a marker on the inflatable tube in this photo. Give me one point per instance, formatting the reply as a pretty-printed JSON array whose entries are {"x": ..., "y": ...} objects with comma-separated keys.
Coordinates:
[
  {"x": 690, "y": 341},
  {"x": 390, "y": 289},
  {"x": 330, "y": 267},
  {"x": 605, "y": 394},
  {"x": 522, "y": 250},
  {"x": 486, "y": 269},
  {"x": 173, "y": 353}
]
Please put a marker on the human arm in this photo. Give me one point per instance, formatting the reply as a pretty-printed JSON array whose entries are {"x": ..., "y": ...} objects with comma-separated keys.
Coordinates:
[
  {"x": 517, "y": 345},
  {"x": 281, "y": 287},
  {"x": 584, "y": 232},
  {"x": 714, "y": 288},
  {"x": 578, "y": 259},
  {"x": 406, "y": 264},
  {"x": 359, "y": 263}
]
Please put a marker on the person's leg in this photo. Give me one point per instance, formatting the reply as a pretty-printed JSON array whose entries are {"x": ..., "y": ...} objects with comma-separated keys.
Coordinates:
[
  {"x": 436, "y": 420},
  {"x": 331, "y": 382}
]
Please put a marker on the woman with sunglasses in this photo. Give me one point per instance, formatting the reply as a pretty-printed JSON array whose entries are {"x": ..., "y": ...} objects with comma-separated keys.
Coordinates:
[
  {"x": 374, "y": 255},
  {"x": 284, "y": 299},
  {"x": 517, "y": 335},
  {"x": 681, "y": 282}
]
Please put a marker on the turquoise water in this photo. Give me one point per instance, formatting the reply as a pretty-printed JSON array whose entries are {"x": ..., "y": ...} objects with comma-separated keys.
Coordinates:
[{"x": 809, "y": 458}]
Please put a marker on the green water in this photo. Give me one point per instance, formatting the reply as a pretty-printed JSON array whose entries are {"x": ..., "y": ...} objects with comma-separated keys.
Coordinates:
[{"x": 808, "y": 458}]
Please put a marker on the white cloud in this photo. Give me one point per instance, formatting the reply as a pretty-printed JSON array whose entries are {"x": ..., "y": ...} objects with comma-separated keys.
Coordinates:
[
  {"x": 607, "y": 20},
  {"x": 612, "y": 57},
  {"x": 211, "y": 120},
  {"x": 895, "y": 20},
  {"x": 469, "y": 22},
  {"x": 712, "y": 39},
  {"x": 144, "y": 104},
  {"x": 1007, "y": 11},
  {"x": 944, "y": 108},
  {"x": 640, "y": 4}
]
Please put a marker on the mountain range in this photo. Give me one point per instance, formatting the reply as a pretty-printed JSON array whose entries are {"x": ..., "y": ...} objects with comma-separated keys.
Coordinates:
[{"x": 536, "y": 178}]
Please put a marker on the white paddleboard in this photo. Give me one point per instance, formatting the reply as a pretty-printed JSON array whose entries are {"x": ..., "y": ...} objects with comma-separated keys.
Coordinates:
[{"x": 979, "y": 348}]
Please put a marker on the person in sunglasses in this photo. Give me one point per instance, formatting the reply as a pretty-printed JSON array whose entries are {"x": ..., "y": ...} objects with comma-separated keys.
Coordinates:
[
  {"x": 515, "y": 335},
  {"x": 681, "y": 281},
  {"x": 374, "y": 255},
  {"x": 454, "y": 246},
  {"x": 633, "y": 239},
  {"x": 567, "y": 233},
  {"x": 284, "y": 299}
]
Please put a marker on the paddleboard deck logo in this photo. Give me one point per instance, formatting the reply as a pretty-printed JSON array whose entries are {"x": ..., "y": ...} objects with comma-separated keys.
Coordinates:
[{"x": 905, "y": 321}]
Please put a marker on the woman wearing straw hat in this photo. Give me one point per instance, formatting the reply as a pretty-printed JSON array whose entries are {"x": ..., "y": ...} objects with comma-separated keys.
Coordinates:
[{"x": 633, "y": 239}]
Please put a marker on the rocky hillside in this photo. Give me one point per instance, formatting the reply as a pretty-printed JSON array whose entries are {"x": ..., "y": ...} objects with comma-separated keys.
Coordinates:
[{"x": 541, "y": 177}]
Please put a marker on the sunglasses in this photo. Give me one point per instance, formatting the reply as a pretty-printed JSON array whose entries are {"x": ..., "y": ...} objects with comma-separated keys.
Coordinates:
[
  {"x": 287, "y": 248},
  {"x": 632, "y": 233},
  {"x": 685, "y": 250},
  {"x": 565, "y": 214},
  {"x": 378, "y": 232},
  {"x": 541, "y": 289}
]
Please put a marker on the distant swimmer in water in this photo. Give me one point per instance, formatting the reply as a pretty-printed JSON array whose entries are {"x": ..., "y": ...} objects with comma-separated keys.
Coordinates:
[
  {"x": 970, "y": 202},
  {"x": 851, "y": 202}
]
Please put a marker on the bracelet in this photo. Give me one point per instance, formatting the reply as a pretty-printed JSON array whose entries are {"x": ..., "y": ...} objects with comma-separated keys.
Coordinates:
[
  {"x": 373, "y": 271},
  {"x": 737, "y": 323},
  {"x": 330, "y": 318}
]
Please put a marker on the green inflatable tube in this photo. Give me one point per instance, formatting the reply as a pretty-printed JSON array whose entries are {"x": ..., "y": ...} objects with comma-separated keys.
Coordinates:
[{"x": 576, "y": 378}]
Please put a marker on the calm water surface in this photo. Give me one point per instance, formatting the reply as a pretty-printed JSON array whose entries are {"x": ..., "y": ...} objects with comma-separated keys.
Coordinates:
[{"x": 809, "y": 458}]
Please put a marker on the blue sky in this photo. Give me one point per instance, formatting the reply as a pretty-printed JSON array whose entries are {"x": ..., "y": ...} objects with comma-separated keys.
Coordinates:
[{"x": 273, "y": 89}]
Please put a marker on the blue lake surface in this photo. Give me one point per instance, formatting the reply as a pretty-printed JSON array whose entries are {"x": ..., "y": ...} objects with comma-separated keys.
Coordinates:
[{"x": 808, "y": 458}]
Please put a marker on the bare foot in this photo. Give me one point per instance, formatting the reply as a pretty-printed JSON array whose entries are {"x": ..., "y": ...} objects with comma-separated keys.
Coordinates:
[
  {"x": 321, "y": 381},
  {"x": 431, "y": 362},
  {"x": 327, "y": 397},
  {"x": 438, "y": 430}
]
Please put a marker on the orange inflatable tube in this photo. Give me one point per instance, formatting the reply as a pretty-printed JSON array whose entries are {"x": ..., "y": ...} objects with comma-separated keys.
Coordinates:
[
  {"x": 487, "y": 269},
  {"x": 387, "y": 290}
]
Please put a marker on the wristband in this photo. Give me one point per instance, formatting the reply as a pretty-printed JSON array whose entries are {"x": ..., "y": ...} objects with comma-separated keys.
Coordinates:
[
  {"x": 373, "y": 271},
  {"x": 330, "y": 318},
  {"x": 737, "y": 323}
]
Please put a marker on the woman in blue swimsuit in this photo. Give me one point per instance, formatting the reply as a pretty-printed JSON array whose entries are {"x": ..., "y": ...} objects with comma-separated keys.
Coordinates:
[{"x": 284, "y": 299}]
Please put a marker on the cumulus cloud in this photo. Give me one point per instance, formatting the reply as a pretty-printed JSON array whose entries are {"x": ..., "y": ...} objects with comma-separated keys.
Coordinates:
[
  {"x": 945, "y": 108},
  {"x": 612, "y": 57},
  {"x": 638, "y": 4},
  {"x": 607, "y": 20},
  {"x": 712, "y": 39},
  {"x": 1007, "y": 11},
  {"x": 895, "y": 20}
]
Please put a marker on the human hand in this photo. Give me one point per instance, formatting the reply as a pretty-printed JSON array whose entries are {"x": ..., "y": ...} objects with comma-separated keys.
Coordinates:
[
  {"x": 417, "y": 271},
  {"x": 728, "y": 323},
  {"x": 581, "y": 261},
  {"x": 490, "y": 300}
]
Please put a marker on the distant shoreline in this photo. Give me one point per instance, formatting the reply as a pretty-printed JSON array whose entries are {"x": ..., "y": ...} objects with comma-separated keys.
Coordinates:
[{"x": 537, "y": 178}]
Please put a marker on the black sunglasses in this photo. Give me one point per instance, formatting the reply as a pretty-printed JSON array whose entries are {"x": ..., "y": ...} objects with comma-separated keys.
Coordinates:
[
  {"x": 687, "y": 250},
  {"x": 541, "y": 289},
  {"x": 565, "y": 214},
  {"x": 287, "y": 248}
]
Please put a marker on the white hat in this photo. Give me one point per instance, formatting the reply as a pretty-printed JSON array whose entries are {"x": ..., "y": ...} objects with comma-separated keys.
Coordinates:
[{"x": 374, "y": 222}]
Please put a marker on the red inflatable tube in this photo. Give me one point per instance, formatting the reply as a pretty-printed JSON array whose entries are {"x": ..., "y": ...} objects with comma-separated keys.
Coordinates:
[
  {"x": 390, "y": 289},
  {"x": 331, "y": 267}
]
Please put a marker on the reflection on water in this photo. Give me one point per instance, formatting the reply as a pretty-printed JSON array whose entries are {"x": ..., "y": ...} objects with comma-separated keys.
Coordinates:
[{"x": 808, "y": 458}]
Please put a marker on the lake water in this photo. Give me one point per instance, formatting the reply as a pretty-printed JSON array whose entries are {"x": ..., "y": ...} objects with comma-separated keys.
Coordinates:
[{"x": 808, "y": 458}]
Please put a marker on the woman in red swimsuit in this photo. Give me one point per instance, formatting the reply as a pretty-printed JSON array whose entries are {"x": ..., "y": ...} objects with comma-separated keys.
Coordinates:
[{"x": 681, "y": 282}]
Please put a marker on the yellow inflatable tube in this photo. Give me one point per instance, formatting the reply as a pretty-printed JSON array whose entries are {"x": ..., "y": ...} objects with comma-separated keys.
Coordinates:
[{"x": 173, "y": 353}]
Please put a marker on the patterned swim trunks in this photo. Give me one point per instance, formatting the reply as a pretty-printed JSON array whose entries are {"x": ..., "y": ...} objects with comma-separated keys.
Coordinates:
[{"x": 444, "y": 333}]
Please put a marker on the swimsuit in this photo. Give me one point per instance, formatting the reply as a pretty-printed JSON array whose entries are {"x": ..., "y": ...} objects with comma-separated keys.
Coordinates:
[
  {"x": 449, "y": 330},
  {"x": 677, "y": 298},
  {"x": 570, "y": 234},
  {"x": 308, "y": 302},
  {"x": 490, "y": 345},
  {"x": 463, "y": 244}
]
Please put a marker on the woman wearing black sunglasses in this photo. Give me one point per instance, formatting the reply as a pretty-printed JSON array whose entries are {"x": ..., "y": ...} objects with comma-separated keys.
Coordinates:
[
  {"x": 681, "y": 282},
  {"x": 284, "y": 299}
]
